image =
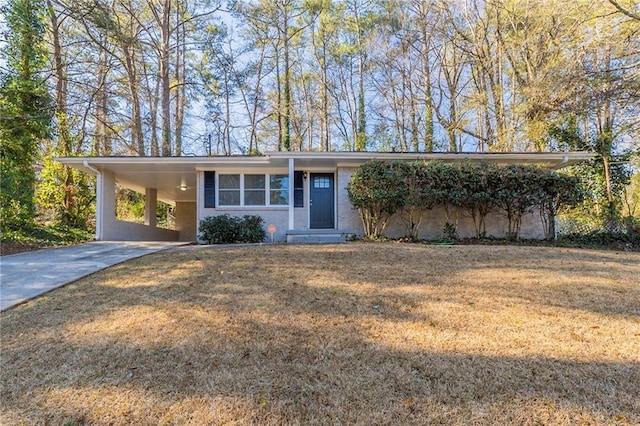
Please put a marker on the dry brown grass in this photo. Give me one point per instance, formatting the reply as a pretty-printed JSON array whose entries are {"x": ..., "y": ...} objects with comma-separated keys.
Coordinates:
[{"x": 333, "y": 334}]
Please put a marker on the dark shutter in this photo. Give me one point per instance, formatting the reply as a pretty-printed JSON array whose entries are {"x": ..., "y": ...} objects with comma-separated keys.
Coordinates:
[
  {"x": 210, "y": 190},
  {"x": 298, "y": 189}
]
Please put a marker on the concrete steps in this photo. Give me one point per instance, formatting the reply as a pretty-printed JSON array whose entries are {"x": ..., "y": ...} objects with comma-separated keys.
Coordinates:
[{"x": 319, "y": 236}]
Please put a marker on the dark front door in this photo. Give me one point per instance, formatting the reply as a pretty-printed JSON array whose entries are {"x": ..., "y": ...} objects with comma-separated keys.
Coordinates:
[{"x": 321, "y": 201}]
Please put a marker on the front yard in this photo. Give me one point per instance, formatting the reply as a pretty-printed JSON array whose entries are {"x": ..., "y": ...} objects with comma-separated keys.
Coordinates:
[{"x": 333, "y": 334}]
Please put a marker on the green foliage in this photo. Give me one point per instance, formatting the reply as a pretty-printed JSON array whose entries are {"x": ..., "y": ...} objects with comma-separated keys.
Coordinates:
[
  {"x": 631, "y": 203},
  {"x": 225, "y": 229},
  {"x": 376, "y": 190},
  {"x": 25, "y": 110},
  {"x": 65, "y": 195},
  {"x": 49, "y": 235},
  {"x": 595, "y": 210},
  {"x": 558, "y": 192},
  {"x": 516, "y": 193},
  {"x": 251, "y": 230},
  {"x": 476, "y": 192},
  {"x": 450, "y": 231},
  {"x": 617, "y": 240},
  {"x": 422, "y": 186},
  {"x": 603, "y": 205},
  {"x": 129, "y": 205},
  {"x": 379, "y": 189}
]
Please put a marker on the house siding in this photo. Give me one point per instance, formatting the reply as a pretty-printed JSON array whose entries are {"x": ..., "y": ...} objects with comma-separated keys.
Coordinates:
[{"x": 348, "y": 218}]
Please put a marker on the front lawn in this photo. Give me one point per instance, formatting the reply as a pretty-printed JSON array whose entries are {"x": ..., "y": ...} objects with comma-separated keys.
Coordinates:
[{"x": 333, "y": 334}]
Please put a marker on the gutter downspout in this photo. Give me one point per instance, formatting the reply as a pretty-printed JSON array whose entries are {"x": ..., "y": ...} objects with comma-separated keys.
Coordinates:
[{"x": 99, "y": 203}]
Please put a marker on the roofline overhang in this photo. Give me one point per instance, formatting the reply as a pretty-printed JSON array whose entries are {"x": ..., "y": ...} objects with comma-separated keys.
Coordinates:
[
  {"x": 560, "y": 159},
  {"x": 91, "y": 164},
  {"x": 166, "y": 174}
]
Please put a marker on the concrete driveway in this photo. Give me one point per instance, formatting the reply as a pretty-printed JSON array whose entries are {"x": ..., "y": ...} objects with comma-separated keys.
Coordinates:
[{"x": 24, "y": 276}]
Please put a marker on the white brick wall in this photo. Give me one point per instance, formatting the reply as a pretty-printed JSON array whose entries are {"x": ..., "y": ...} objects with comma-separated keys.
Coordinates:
[{"x": 348, "y": 218}]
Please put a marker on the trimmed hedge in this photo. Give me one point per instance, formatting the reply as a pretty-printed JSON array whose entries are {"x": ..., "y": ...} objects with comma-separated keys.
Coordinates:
[
  {"x": 379, "y": 189},
  {"x": 225, "y": 229}
]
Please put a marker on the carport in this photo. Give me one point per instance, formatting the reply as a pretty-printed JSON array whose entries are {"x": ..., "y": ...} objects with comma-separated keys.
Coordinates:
[{"x": 171, "y": 180}]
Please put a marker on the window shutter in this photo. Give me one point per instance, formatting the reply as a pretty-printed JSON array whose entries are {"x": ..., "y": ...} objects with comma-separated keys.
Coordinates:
[
  {"x": 210, "y": 189},
  {"x": 298, "y": 189}
]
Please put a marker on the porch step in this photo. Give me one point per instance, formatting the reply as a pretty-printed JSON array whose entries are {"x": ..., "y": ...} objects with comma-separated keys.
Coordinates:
[{"x": 319, "y": 236}]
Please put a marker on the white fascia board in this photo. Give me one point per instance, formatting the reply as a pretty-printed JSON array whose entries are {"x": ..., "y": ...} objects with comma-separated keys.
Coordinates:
[{"x": 362, "y": 155}]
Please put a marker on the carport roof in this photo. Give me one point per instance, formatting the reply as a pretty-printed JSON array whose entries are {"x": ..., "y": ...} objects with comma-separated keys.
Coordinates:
[{"x": 168, "y": 174}]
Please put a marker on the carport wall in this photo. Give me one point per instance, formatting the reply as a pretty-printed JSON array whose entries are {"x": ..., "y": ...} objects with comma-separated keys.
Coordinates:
[{"x": 109, "y": 228}]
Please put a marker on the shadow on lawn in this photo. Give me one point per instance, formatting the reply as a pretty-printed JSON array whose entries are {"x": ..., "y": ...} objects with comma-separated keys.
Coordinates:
[
  {"x": 285, "y": 381},
  {"x": 327, "y": 370}
]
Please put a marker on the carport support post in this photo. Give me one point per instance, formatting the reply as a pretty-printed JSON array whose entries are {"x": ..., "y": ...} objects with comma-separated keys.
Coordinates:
[
  {"x": 106, "y": 206},
  {"x": 150, "y": 205}
]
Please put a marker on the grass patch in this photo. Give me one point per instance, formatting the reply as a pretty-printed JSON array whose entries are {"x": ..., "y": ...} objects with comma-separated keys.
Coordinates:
[
  {"x": 333, "y": 334},
  {"x": 40, "y": 236}
]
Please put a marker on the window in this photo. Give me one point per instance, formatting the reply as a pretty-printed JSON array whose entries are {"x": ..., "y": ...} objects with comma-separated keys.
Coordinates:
[
  {"x": 252, "y": 190},
  {"x": 321, "y": 182},
  {"x": 229, "y": 190},
  {"x": 254, "y": 186},
  {"x": 279, "y": 190}
]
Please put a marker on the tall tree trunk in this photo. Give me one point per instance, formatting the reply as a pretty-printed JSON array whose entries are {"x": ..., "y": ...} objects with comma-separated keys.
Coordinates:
[
  {"x": 279, "y": 98},
  {"x": 137, "y": 136},
  {"x": 286, "y": 124},
  {"x": 361, "y": 138},
  {"x": 165, "y": 53},
  {"x": 361, "y": 142},
  {"x": 102, "y": 140},
  {"x": 326, "y": 145},
  {"x": 227, "y": 113},
  {"x": 426, "y": 75},
  {"x": 180, "y": 79},
  {"x": 153, "y": 112},
  {"x": 64, "y": 147}
]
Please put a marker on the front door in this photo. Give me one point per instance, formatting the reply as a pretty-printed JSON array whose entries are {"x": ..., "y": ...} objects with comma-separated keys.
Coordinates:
[{"x": 321, "y": 201}]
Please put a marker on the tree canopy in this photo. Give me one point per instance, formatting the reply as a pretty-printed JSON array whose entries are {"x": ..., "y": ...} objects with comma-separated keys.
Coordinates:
[{"x": 199, "y": 77}]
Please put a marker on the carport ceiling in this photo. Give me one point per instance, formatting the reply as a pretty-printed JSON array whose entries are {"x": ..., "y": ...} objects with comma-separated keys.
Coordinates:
[{"x": 166, "y": 174}]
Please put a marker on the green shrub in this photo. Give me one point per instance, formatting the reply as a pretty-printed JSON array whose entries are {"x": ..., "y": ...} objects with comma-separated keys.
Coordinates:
[
  {"x": 251, "y": 230},
  {"x": 225, "y": 229},
  {"x": 379, "y": 189},
  {"x": 376, "y": 190},
  {"x": 616, "y": 240}
]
